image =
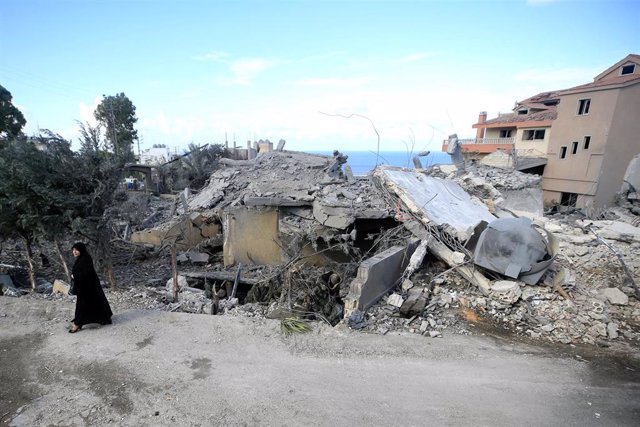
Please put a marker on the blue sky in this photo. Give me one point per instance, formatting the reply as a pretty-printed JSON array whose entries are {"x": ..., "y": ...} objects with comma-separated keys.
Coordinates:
[{"x": 197, "y": 70}]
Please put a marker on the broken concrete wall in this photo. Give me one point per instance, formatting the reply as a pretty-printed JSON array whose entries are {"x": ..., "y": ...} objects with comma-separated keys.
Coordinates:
[
  {"x": 498, "y": 159},
  {"x": 378, "y": 275},
  {"x": 187, "y": 232},
  {"x": 251, "y": 236}
]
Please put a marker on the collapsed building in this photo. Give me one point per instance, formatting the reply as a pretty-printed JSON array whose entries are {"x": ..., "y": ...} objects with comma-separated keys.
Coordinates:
[
  {"x": 429, "y": 251},
  {"x": 298, "y": 234}
]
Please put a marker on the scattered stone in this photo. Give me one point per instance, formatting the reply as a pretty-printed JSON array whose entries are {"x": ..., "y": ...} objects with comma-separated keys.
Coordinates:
[
  {"x": 612, "y": 330},
  {"x": 60, "y": 287},
  {"x": 615, "y": 296},
  {"x": 395, "y": 300}
]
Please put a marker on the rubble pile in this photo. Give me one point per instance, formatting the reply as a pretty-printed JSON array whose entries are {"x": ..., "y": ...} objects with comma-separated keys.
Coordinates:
[
  {"x": 283, "y": 179},
  {"x": 295, "y": 234},
  {"x": 585, "y": 298}
]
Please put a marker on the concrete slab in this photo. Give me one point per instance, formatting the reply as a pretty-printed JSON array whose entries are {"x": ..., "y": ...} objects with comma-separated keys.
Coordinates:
[
  {"x": 438, "y": 201},
  {"x": 525, "y": 202},
  {"x": 378, "y": 275}
]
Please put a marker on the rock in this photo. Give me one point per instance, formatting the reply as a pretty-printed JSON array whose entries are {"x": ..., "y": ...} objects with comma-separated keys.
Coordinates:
[
  {"x": 548, "y": 327},
  {"x": 395, "y": 300},
  {"x": 424, "y": 326},
  {"x": 60, "y": 287},
  {"x": 612, "y": 330},
  {"x": 435, "y": 334},
  {"x": 506, "y": 291},
  {"x": 598, "y": 329},
  {"x": 182, "y": 283},
  {"x": 615, "y": 296}
]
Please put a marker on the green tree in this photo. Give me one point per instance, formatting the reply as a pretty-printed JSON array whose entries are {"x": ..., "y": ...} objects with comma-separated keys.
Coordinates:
[
  {"x": 90, "y": 140},
  {"x": 117, "y": 115},
  {"x": 11, "y": 119},
  {"x": 47, "y": 190},
  {"x": 199, "y": 162},
  {"x": 37, "y": 179}
]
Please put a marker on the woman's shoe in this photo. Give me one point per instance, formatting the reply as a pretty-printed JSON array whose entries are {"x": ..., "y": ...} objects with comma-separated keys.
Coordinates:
[{"x": 74, "y": 329}]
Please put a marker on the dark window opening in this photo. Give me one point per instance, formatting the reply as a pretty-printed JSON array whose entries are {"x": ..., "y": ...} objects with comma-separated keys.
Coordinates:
[
  {"x": 505, "y": 133},
  {"x": 563, "y": 152},
  {"x": 583, "y": 106},
  {"x": 569, "y": 199},
  {"x": 574, "y": 147},
  {"x": 587, "y": 141},
  {"x": 530, "y": 135},
  {"x": 523, "y": 112},
  {"x": 627, "y": 69}
]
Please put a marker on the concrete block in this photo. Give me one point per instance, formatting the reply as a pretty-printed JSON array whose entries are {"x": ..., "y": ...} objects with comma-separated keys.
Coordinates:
[
  {"x": 378, "y": 275},
  {"x": 150, "y": 236},
  {"x": 182, "y": 283},
  {"x": 208, "y": 230},
  {"x": 198, "y": 257},
  {"x": 395, "y": 300},
  {"x": 60, "y": 287},
  {"x": 415, "y": 303},
  {"x": 196, "y": 219}
]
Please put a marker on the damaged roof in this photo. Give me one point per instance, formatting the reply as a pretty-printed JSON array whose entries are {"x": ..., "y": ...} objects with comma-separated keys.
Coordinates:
[{"x": 294, "y": 179}]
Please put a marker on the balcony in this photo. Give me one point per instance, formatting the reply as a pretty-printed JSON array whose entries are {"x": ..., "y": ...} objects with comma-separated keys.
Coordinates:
[
  {"x": 486, "y": 141},
  {"x": 483, "y": 145}
]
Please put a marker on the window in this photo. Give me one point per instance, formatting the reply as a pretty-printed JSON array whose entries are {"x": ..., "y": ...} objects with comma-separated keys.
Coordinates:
[
  {"x": 627, "y": 69},
  {"x": 505, "y": 133},
  {"x": 586, "y": 142},
  {"x": 569, "y": 199},
  {"x": 583, "y": 106},
  {"x": 563, "y": 152},
  {"x": 523, "y": 112},
  {"x": 530, "y": 135},
  {"x": 574, "y": 147}
]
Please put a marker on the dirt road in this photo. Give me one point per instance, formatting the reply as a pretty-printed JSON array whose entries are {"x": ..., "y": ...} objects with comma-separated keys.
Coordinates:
[{"x": 155, "y": 368}]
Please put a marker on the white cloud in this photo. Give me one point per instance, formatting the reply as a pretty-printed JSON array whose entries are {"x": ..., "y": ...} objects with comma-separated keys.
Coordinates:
[
  {"x": 247, "y": 69},
  {"x": 173, "y": 131},
  {"x": 86, "y": 111},
  {"x": 22, "y": 109}
]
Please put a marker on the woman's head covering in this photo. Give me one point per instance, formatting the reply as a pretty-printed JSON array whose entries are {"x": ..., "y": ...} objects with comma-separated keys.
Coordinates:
[{"x": 80, "y": 247}]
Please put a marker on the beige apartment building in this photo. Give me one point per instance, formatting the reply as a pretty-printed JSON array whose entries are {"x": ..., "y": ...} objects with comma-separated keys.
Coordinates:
[
  {"x": 595, "y": 135},
  {"x": 586, "y": 135}
]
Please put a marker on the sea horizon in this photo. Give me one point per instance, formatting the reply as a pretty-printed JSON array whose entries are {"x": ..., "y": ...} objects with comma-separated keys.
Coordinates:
[{"x": 362, "y": 162}]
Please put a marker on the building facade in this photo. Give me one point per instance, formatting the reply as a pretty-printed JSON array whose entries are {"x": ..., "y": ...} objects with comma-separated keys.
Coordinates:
[
  {"x": 581, "y": 139},
  {"x": 595, "y": 136}
]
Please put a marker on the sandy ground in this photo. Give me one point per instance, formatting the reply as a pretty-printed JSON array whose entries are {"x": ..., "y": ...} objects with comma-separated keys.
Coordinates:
[{"x": 153, "y": 368}]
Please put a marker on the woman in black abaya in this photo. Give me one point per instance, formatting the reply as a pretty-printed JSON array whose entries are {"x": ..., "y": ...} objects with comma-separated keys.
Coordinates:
[{"x": 92, "y": 305}]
